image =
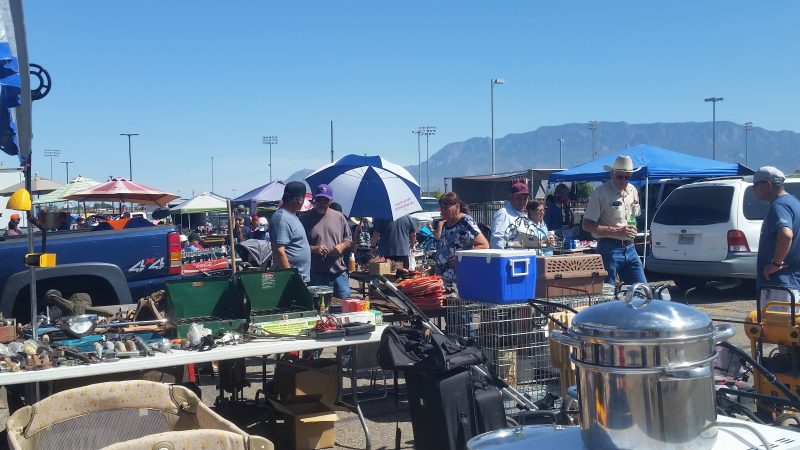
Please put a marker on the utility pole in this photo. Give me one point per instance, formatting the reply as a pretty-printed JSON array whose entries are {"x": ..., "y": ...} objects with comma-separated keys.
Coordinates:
[
  {"x": 714, "y": 101},
  {"x": 270, "y": 140},
  {"x": 67, "y": 163},
  {"x": 427, "y": 131},
  {"x": 492, "y": 82},
  {"x": 560, "y": 147},
  {"x": 748, "y": 127},
  {"x": 419, "y": 157},
  {"x": 331, "y": 141},
  {"x": 212, "y": 174},
  {"x": 50, "y": 153},
  {"x": 592, "y": 126},
  {"x": 130, "y": 159}
]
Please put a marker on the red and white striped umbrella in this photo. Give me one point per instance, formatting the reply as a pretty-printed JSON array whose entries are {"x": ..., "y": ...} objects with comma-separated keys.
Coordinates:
[{"x": 122, "y": 190}]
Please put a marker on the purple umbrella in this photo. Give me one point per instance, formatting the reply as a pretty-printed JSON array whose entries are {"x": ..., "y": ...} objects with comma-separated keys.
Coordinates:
[{"x": 270, "y": 192}]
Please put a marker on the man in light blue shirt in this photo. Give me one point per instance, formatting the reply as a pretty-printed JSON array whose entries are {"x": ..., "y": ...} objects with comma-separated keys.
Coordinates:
[
  {"x": 505, "y": 220},
  {"x": 289, "y": 243}
]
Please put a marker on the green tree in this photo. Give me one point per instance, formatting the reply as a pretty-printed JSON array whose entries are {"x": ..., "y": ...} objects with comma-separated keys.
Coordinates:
[{"x": 583, "y": 191}]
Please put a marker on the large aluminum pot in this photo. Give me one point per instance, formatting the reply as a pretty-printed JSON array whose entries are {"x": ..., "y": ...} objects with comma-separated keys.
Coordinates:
[{"x": 645, "y": 378}]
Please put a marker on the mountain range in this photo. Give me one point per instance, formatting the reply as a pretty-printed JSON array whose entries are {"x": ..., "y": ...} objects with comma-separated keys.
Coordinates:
[{"x": 541, "y": 148}]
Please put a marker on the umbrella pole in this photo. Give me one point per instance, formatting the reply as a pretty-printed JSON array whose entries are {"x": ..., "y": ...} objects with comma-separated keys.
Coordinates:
[{"x": 231, "y": 251}]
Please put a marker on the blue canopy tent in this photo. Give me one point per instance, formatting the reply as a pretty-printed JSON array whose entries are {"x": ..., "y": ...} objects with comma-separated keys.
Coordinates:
[
  {"x": 270, "y": 192},
  {"x": 655, "y": 163}
]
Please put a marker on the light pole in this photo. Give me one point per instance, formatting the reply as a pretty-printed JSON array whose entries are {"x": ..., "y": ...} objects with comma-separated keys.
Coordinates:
[
  {"x": 592, "y": 126},
  {"x": 270, "y": 140},
  {"x": 419, "y": 156},
  {"x": 492, "y": 82},
  {"x": 212, "y": 174},
  {"x": 427, "y": 131},
  {"x": 560, "y": 146},
  {"x": 49, "y": 153},
  {"x": 67, "y": 163},
  {"x": 714, "y": 101},
  {"x": 748, "y": 127},
  {"x": 130, "y": 160}
]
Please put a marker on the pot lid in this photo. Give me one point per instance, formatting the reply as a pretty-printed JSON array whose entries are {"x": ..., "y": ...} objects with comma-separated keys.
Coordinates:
[{"x": 642, "y": 318}]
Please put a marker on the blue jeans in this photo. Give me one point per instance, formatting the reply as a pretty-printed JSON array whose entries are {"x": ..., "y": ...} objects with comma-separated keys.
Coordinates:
[
  {"x": 621, "y": 260},
  {"x": 340, "y": 283}
]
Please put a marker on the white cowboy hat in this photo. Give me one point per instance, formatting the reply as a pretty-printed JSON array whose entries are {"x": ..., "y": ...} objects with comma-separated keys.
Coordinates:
[{"x": 621, "y": 164}]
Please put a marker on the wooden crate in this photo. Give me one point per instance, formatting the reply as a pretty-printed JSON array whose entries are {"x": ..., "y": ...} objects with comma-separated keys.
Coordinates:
[
  {"x": 8, "y": 333},
  {"x": 569, "y": 275}
]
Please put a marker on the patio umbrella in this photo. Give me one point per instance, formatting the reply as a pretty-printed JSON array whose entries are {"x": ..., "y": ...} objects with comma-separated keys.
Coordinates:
[
  {"x": 369, "y": 186},
  {"x": 59, "y": 195},
  {"x": 39, "y": 185},
  {"x": 122, "y": 190}
]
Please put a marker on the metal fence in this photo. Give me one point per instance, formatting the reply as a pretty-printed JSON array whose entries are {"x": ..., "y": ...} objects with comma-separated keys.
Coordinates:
[{"x": 483, "y": 212}]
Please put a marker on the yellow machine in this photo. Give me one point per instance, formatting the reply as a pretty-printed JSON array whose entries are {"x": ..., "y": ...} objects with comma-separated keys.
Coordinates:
[{"x": 776, "y": 326}]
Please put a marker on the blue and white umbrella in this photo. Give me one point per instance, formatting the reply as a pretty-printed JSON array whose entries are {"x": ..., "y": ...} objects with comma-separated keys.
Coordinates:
[
  {"x": 369, "y": 186},
  {"x": 15, "y": 96}
]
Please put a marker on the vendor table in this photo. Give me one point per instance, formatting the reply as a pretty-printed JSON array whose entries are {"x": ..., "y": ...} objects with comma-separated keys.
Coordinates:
[{"x": 257, "y": 348}]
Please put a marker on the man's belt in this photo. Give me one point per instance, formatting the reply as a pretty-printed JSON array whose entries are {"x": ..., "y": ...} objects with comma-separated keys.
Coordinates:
[{"x": 620, "y": 242}]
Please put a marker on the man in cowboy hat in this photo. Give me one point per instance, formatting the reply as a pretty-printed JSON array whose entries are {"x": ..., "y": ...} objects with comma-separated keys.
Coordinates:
[
  {"x": 609, "y": 216},
  {"x": 329, "y": 237},
  {"x": 505, "y": 221}
]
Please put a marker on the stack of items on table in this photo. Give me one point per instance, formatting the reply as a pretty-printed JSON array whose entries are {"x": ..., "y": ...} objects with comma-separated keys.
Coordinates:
[{"x": 426, "y": 292}]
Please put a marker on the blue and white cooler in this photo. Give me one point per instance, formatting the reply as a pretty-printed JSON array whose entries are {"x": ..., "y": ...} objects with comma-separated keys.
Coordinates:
[{"x": 496, "y": 276}]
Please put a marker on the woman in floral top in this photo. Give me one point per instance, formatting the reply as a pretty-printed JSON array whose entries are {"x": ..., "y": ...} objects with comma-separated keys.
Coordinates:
[{"x": 457, "y": 231}]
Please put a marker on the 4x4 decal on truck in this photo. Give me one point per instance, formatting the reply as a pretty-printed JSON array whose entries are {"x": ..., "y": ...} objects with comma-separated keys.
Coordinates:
[{"x": 148, "y": 263}]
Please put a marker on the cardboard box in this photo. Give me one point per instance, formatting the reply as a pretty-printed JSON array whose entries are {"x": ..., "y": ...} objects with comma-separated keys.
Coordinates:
[
  {"x": 381, "y": 268},
  {"x": 569, "y": 275},
  {"x": 307, "y": 378},
  {"x": 309, "y": 423}
]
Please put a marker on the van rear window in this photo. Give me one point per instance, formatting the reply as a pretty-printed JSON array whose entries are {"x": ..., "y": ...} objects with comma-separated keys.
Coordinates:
[
  {"x": 702, "y": 205},
  {"x": 755, "y": 209}
]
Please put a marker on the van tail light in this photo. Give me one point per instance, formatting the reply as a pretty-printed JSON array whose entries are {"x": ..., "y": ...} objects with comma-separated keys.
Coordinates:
[
  {"x": 174, "y": 250},
  {"x": 737, "y": 242}
]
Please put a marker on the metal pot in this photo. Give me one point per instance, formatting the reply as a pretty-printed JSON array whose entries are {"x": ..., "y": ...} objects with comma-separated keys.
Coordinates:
[{"x": 645, "y": 378}]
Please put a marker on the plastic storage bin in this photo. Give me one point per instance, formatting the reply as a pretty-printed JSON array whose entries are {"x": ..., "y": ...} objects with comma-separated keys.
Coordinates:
[{"x": 496, "y": 276}]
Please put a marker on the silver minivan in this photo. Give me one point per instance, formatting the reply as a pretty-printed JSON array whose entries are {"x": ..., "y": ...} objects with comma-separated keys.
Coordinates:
[{"x": 709, "y": 230}]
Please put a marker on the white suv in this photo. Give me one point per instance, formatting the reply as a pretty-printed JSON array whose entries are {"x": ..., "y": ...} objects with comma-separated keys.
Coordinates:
[
  {"x": 709, "y": 230},
  {"x": 430, "y": 211}
]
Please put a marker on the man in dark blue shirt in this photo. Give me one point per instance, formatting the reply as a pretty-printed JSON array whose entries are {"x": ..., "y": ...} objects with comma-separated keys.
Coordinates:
[
  {"x": 395, "y": 239},
  {"x": 778, "y": 263}
]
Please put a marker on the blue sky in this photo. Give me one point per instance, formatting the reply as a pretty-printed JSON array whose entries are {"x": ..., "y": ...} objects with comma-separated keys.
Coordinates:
[{"x": 200, "y": 79}]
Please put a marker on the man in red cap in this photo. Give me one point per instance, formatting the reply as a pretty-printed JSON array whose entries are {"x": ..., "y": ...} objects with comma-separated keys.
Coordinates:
[
  {"x": 505, "y": 220},
  {"x": 13, "y": 226}
]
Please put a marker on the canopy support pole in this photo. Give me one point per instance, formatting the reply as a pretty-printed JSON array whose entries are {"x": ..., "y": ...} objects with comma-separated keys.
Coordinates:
[{"x": 646, "y": 221}]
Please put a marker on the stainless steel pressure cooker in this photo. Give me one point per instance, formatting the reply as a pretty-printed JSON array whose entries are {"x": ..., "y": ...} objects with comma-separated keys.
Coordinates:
[{"x": 645, "y": 377}]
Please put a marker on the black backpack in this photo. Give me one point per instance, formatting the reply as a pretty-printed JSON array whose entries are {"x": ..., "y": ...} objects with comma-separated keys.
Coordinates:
[{"x": 412, "y": 349}]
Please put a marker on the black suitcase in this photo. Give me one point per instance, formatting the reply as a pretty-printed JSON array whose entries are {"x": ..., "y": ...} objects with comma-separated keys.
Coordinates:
[
  {"x": 490, "y": 412},
  {"x": 442, "y": 409}
]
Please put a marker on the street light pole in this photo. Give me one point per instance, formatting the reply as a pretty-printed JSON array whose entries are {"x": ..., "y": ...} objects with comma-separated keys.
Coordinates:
[
  {"x": 270, "y": 140},
  {"x": 714, "y": 101},
  {"x": 748, "y": 127},
  {"x": 419, "y": 157},
  {"x": 212, "y": 174},
  {"x": 49, "y": 153},
  {"x": 592, "y": 126},
  {"x": 427, "y": 131},
  {"x": 130, "y": 160},
  {"x": 492, "y": 82},
  {"x": 67, "y": 163},
  {"x": 560, "y": 145}
]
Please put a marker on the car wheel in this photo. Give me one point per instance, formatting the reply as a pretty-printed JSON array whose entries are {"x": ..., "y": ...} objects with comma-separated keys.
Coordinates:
[{"x": 685, "y": 283}]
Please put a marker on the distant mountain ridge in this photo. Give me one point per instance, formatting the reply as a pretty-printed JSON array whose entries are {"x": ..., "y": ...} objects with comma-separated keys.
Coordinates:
[{"x": 540, "y": 148}]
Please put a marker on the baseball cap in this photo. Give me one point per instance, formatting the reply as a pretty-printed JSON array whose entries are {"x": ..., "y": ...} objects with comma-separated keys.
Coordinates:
[
  {"x": 262, "y": 224},
  {"x": 519, "y": 187},
  {"x": 184, "y": 238},
  {"x": 15, "y": 216},
  {"x": 294, "y": 189},
  {"x": 323, "y": 190},
  {"x": 769, "y": 173}
]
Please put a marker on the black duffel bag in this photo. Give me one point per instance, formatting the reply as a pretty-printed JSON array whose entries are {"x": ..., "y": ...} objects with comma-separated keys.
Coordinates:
[{"x": 411, "y": 349}]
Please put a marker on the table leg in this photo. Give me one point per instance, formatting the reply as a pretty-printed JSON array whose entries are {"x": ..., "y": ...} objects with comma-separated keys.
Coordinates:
[{"x": 355, "y": 407}]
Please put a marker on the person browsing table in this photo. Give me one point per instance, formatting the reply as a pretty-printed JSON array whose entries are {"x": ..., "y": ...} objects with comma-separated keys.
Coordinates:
[
  {"x": 287, "y": 236},
  {"x": 458, "y": 232},
  {"x": 505, "y": 221},
  {"x": 611, "y": 208}
]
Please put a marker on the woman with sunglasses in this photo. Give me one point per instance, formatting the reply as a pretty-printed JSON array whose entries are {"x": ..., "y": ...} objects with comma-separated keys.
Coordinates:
[
  {"x": 546, "y": 240},
  {"x": 458, "y": 232},
  {"x": 611, "y": 208}
]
